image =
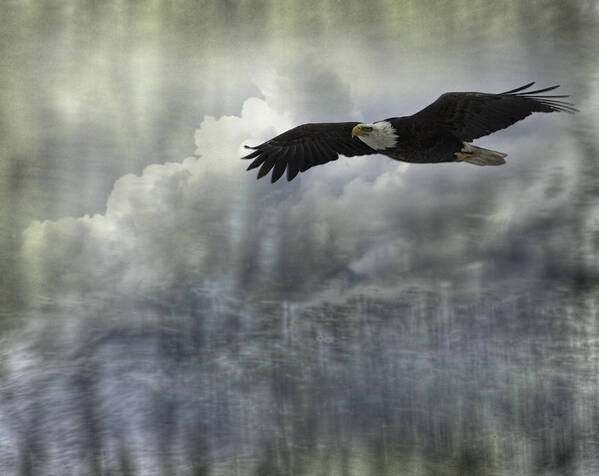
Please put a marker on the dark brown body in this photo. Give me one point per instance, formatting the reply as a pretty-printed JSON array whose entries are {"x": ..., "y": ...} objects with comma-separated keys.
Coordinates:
[{"x": 418, "y": 146}]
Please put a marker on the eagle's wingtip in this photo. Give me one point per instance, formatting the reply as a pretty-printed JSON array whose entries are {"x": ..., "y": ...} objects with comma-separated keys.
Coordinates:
[{"x": 511, "y": 91}]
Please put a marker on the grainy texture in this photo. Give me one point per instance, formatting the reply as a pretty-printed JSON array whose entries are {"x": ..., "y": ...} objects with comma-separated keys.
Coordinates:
[{"x": 165, "y": 313}]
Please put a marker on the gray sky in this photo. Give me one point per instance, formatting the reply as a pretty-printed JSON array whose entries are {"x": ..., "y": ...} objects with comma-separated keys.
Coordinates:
[{"x": 130, "y": 227}]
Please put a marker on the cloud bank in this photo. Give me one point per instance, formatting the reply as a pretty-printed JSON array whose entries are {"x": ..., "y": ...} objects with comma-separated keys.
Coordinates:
[
  {"x": 370, "y": 316},
  {"x": 353, "y": 221}
]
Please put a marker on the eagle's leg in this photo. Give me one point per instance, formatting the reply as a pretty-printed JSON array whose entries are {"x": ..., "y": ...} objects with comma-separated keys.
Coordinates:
[
  {"x": 479, "y": 156},
  {"x": 462, "y": 156}
]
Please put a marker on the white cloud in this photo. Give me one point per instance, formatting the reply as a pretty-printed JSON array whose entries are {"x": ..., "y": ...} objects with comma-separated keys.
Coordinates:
[
  {"x": 217, "y": 138},
  {"x": 170, "y": 220},
  {"x": 205, "y": 219}
]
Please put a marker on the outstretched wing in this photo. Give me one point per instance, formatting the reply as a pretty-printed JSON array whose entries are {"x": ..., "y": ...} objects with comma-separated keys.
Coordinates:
[
  {"x": 470, "y": 115},
  {"x": 305, "y": 146}
]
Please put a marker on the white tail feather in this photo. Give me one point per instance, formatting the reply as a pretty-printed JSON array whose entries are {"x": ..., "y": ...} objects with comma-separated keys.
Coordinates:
[{"x": 480, "y": 156}]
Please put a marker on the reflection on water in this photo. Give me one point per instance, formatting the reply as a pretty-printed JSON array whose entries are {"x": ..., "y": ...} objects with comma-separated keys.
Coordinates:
[{"x": 364, "y": 319}]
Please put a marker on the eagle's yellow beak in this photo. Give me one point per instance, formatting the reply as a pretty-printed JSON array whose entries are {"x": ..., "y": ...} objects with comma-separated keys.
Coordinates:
[{"x": 358, "y": 131}]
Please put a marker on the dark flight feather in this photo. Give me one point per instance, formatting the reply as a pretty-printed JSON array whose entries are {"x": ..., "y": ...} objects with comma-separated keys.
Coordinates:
[
  {"x": 305, "y": 146},
  {"x": 470, "y": 115}
]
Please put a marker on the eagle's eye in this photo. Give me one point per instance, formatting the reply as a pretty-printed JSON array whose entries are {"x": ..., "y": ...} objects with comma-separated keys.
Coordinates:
[{"x": 367, "y": 128}]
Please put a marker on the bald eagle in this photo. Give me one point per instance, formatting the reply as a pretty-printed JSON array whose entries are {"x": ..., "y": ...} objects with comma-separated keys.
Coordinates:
[{"x": 440, "y": 132}]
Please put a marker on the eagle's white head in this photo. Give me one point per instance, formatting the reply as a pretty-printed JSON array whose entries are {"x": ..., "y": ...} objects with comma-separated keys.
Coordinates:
[{"x": 380, "y": 135}]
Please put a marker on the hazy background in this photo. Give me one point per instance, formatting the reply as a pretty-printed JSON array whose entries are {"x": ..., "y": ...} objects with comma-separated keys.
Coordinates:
[{"x": 162, "y": 312}]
